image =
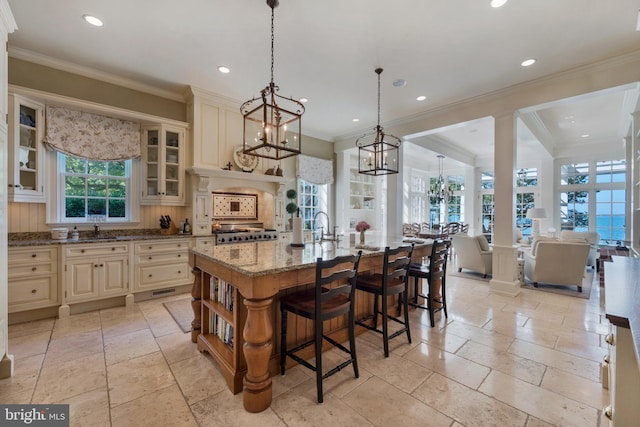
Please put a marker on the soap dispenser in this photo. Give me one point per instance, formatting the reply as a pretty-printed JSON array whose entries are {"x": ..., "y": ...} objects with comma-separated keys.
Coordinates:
[{"x": 74, "y": 234}]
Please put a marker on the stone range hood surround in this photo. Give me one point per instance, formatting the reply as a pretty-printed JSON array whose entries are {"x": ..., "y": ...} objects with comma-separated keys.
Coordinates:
[{"x": 217, "y": 179}]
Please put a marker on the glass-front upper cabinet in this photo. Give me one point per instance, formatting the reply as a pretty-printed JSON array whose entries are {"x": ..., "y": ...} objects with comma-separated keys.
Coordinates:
[
  {"x": 26, "y": 150},
  {"x": 163, "y": 165}
]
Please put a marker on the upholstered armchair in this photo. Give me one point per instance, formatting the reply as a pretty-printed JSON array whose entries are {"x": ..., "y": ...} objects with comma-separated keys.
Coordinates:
[
  {"x": 472, "y": 253},
  {"x": 590, "y": 237},
  {"x": 556, "y": 262}
]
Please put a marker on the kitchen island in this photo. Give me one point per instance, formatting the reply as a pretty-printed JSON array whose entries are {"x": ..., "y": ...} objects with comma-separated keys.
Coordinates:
[{"x": 237, "y": 286}]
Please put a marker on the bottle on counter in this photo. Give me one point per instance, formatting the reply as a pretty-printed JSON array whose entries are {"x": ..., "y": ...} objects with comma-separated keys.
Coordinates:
[
  {"x": 74, "y": 234},
  {"x": 187, "y": 226}
]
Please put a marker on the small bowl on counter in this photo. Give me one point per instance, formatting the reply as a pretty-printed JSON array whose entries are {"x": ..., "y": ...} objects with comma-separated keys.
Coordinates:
[{"x": 59, "y": 233}]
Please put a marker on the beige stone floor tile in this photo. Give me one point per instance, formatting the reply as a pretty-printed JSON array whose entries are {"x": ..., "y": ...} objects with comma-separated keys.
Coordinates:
[
  {"x": 467, "y": 406},
  {"x": 543, "y": 404},
  {"x": 134, "y": 378},
  {"x": 28, "y": 328},
  {"x": 292, "y": 377},
  {"x": 71, "y": 347},
  {"x": 483, "y": 336},
  {"x": 394, "y": 370},
  {"x": 164, "y": 407},
  {"x": 19, "y": 387},
  {"x": 587, "y": 351},
  {"x": 476, "y": 316},
  {"x": 450, "y": 365},
  {"x": 122, "y": 320},
  {"x": 178, "y": 346},
  {"x": 161, "y": 323},
  {"x": 77, "y": 324},
  {"x": 440, "y": 338},
  {"x": 225, "y": 409},
  {"x": 518, "y": 367},
  {"x": 536, "y": 422},
  {"x": 64, "y": 380},
  {"x": 198, "y": 378},
  {"x": 90, "y": 409},
  {"x": 552, "y": 318},
  {"x": 577, "y": 388},
  {"x": 384, "y": 405},
  {"x": 398, "y": 345},
  {"x": 28, "y": 345},
  {"x": 557, "y": 359},
  {"x": 134, "y": 344},
  {"x": 536, "y": 336}
]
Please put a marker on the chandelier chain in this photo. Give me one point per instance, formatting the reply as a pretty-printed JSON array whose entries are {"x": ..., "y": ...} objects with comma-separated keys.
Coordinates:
[{"x": 272, "y": 41}]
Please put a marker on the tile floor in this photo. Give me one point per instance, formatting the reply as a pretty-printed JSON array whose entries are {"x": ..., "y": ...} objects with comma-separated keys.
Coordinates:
[{"x": 532, "y": 360}]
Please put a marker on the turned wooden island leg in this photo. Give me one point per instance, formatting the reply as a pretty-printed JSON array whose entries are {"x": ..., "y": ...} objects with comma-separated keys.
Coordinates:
[
  {"x": 195, "y": 304},
  {"x": 257, "y": 348}
]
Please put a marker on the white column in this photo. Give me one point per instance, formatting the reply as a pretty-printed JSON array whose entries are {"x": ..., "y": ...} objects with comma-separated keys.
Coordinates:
[{"x": 504, "y": 252}]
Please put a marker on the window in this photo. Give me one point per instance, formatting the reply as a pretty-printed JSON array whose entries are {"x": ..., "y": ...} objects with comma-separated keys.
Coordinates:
[
  {"x": 455, "y": 204},
  {"x": 312, "y": 199},
  {"x": 87, "y": 188},
  {"x": 418, "y": 208},
  {"x": 525, "y": 180},
  {"x": 574, "y": 173},
  {"x": 610, "y": 214}
]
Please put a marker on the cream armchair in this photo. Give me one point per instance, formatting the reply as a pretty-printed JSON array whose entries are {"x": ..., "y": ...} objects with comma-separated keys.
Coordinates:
[
  {"x": 590, "y": 237},
  {"x": 556, "y": 262},
  {"x": 472, "y": 253}
]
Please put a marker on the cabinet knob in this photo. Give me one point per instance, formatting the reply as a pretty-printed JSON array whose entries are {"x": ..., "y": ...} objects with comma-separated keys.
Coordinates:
[
  {"x": 608, "y": 412},
  {"x": 101, "y": 265},
  {"x": 113, "y": 249},
  {"x": 179, "y": 255},
  {"x": 606, "y": 359},
  {"x": 150, "y": 257},
  {"x": 33, "y": 255},
  {"x": 609, "y": 339},
  {"x": 151, "y": 275},
  {"x": 179, "y": 245},
  {"x": 81, "y": 251},
  {"x": 179, "y": 271},
  {"x": 33, "y": 291},
  {"x": 95, "y": 265},
  {"x": 150, "y": 247},
  {"x": 34, "y": 268}
]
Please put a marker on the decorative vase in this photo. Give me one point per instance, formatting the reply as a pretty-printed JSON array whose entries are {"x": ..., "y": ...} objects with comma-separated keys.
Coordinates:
[{"x": 362, "y": 237}]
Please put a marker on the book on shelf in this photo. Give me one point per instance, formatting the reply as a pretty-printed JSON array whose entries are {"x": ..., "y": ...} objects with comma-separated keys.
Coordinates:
[{"x": 221, "y": 328}]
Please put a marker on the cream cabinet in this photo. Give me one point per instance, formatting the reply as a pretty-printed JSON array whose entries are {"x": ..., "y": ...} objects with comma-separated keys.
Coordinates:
[
  {"x": 161, "y": 264},
  {"x": 95, "y": 271},
  {"x": 33, "y": 278},
  {"x": 163, "y": 172},
  {"x": 204, "y": 243},
  {"x": 202, "y": 212},
  {"x": 26, "y": 150}
]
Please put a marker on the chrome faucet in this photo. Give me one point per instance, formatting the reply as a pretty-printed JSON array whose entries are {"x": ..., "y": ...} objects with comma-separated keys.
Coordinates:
[{"x": 329, "y": 236}]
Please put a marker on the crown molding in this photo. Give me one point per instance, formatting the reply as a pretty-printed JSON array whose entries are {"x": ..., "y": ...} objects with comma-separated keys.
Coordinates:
[{"x": 47, "y": 61}]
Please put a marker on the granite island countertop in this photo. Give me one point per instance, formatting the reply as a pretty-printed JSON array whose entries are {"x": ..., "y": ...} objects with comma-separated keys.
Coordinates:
[
  {"x": 44, "y": 238},
  {"x": 264, "y": 258}
]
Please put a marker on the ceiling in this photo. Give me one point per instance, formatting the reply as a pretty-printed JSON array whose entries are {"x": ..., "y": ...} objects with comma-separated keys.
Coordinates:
[{"x": 327, "y": 51}]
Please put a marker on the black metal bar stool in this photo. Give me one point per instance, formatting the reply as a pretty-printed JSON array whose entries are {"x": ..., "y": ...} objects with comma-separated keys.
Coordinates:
[
  {"x": 332, "y": 296},
  {"x": 435, "y": 272},
  {"x": 392, "y": 281}
]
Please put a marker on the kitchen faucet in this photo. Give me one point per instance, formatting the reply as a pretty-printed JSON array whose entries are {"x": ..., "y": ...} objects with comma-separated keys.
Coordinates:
[{"x": 328, "y": 237}]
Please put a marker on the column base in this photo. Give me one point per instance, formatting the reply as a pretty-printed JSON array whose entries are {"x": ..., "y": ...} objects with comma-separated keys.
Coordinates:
[{"x": 6, "y": 366}]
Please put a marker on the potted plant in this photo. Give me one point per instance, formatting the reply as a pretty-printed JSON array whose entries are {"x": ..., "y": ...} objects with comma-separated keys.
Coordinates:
[{"x": 292, "y": 206}]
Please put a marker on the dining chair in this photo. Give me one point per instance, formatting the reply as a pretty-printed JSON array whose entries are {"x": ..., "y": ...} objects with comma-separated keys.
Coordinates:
[
  {"x": 332, "y": 296},
  {"x": 392, "y": 281},
  {"x": 435, "y": 274}
]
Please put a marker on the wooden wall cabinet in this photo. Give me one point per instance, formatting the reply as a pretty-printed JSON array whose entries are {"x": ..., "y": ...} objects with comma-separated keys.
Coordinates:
[
  {"x": 163, "y": 170},
  {"x": 26, "y": 150},
  {"x": 33, "y": 278}
]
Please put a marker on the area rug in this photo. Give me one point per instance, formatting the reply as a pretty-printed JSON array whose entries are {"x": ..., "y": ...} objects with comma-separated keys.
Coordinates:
[
  {"x": 571, "y": 291},
  {"x": 181, "y": 312}
]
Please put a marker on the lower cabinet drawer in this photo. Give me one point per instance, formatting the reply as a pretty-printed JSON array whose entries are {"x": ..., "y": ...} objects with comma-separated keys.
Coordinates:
[
  {"x": 170, "y": 258},
  {"x": 17, "y": 271},
  {"x": 157, "y": 276},
  {"x": 31, "y": 293}
]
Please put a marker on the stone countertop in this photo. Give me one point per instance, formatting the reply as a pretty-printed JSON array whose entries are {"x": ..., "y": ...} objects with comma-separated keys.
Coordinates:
[
  {"x": 43, "y": 239},
  {"x": 263, "y": 258}
]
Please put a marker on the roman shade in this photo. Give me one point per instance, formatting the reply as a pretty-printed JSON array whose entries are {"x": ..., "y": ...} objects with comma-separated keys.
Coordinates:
[
  {"x": 315, "y": 170},
  {"x": 91, "y": 136}
]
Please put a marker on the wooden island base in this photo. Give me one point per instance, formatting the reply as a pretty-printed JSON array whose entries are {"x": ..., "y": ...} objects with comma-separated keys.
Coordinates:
[{"x": 237, "y": 328}]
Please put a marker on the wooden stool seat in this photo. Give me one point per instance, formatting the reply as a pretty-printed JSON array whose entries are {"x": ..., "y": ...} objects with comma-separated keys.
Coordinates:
[
  {"x": 435, "y": 274},
  {"x": 332, "y": 296}
]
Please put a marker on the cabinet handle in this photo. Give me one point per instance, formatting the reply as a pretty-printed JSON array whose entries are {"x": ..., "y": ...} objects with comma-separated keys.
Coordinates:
[
  {"x": 81, "y": 251},
  {"x": 33, "y": 291},
  {"x": 34, "y": 268},
  {"x": 609, "y": 339},
  {"x": 606, "y": 359},
  {"x": 151, "y": 275},
  {"x": 113, "y": 249},
  {"x": 608, "y": 412},
  {"x": 33, "y": 255},
  {"x": 95, "y": 265},
  {"x": 179, "y": 245},
  {"x": 150, "y": 248},
  {"x": 150, "y": 257},
  {"x": 101, "y": 265},
  {"x": 179, "y": 255},
  {"x": 179, "y": 271}
]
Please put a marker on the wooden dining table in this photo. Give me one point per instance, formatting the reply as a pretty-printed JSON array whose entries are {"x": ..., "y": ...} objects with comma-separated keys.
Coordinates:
[{"x": 267, "y": 269}]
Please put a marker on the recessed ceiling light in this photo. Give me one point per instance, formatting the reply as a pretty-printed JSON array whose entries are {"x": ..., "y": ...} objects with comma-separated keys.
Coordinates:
[
  {"x": 223, "y": 69},
  {"x": 585, "y": 135},
  {"x": 638, "y": 22},
  {"x": 399, "y": 82},
  {"x": 528, "y": 62},
  {"x": 92, "y": 20},
  {"x": 304, "y": 100},
  {"x": 421, "y": 98},
  {"x": 355, "y": 120},
  {"x": 498, "y": 3}
]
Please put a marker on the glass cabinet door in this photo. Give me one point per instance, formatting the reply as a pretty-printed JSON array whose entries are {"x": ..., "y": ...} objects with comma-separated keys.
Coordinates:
[
  {"x": 152, "y": 155},
  {"x": 172, "y": 164},
  {"x": 163, "y": 163}
]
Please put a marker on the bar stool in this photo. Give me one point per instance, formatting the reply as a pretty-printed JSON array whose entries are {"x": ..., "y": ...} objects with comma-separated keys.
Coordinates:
[
  {"x": 323, "y": 302},
  {"x": 433, "y": 272},
  {"x": 392, "y": 281}
]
